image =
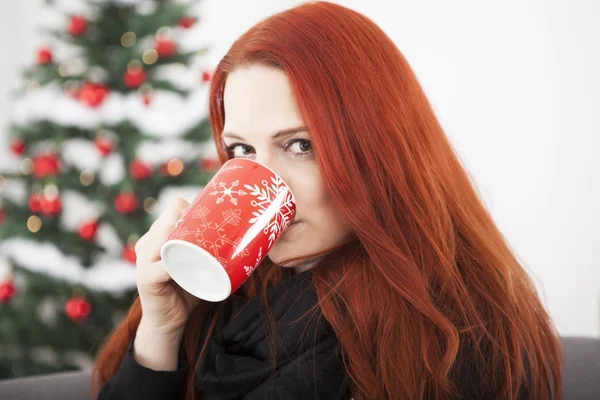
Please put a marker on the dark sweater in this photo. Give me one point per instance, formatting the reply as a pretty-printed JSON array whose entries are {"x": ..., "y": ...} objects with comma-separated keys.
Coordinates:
[{"x": 236, "y": 362}]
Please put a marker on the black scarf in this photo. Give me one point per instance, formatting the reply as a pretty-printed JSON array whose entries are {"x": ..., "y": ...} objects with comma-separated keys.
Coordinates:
[{"x": 236, "y": 363}]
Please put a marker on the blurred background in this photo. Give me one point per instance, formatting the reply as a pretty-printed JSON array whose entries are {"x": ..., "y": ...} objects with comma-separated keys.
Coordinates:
[{"x": 103, "y": 120}]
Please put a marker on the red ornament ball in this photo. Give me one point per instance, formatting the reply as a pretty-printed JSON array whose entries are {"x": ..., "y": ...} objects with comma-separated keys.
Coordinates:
[
  {"x": 134, "y": 77},
  {"x": 34, "y": 202},
  {"x": 44, "y": 56},
  {"x": 77, "y": 308},
  {"x": 77, "y": 25},
  {"x": 206, "y": 76},
  {"x": 210, "y": 164},
  {"x": 104, "y": 145},
  {"x": 1, "y": 216},
  {"x": 139, "y": 170},
  {"x": 17, "y": 147},
  {"x": 126, "y": 203},
  {"x": 45, "y": 165},
  {"x": 50, "y": 205},
  {"x": 128, "y": 254},
  {"x": 92, "y": 94},
  {"x": 147, "y": 99},
  {"x": 186, "y": 22},
  {"x": 165, "y": 48},
  {"x": 88, "y": 229},
  {"x": 7, "y": 291}
]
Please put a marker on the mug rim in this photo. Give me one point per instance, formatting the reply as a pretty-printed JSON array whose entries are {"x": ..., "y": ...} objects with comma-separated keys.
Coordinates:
[{"x": 268, "y": 169}]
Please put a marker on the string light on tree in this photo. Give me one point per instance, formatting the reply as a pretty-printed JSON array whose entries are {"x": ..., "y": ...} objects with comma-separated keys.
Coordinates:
[
  {"x": 50, "y": 203},
  {"x": 64, "y": 69},
  {"x": 34, "y": 224},
  {"x": 26, "y": 166},
  {"x": 102, "y": 190},
  {"x": 51, "y": 190},
  {"x": 128, "y": 39},
  {"x": 86, "y": 178},
  {"x": 173, "y": 167},
  {"x": 150, "y": 57},
  {"x": 150, "y": 205}
]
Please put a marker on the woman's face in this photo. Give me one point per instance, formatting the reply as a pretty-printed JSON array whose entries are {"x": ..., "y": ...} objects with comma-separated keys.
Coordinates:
[{"x": 258, "y": 104}]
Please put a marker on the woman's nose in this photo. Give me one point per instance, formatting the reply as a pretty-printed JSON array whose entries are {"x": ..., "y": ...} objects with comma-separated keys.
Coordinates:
[{"x": 277, "y": 168}]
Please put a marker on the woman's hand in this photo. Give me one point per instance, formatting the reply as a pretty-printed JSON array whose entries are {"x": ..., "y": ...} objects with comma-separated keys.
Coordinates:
[{"x": 165, "y": 305}]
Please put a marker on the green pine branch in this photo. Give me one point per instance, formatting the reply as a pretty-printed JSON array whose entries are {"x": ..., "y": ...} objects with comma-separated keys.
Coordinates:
[
  {"x": 23, "y": 331},
  {"x": 20, "y": 342}
]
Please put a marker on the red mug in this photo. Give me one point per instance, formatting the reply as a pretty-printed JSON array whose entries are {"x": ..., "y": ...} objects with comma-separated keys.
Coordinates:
[{"x": 228, "y": 229}]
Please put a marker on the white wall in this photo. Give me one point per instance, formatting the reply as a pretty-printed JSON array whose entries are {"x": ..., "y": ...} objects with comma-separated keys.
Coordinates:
[{"x": 513, "y": 85}]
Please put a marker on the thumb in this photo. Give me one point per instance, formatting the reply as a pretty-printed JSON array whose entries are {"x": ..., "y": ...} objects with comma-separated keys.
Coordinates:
[{"x": 180, "y": 204}]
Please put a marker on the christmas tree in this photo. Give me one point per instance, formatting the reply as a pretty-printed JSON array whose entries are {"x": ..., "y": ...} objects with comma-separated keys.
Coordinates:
[{"x": 103, "y": 130}]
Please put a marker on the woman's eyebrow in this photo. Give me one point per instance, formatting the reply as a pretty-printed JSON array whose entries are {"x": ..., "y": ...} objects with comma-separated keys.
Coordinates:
[{"x": 275, "y": 136}]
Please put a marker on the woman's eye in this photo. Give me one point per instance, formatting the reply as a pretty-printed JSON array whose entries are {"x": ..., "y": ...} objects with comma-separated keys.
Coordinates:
[
  {"x": 300, "y": 147},
  {"x": 239, "y": 150},
  {"x": 296, "y": 147}
]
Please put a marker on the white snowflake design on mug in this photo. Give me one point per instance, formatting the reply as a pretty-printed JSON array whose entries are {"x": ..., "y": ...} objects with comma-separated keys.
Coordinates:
[{"x": 273, "y": 198}]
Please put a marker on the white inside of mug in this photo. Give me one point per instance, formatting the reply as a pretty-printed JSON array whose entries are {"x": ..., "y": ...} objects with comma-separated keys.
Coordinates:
[{"x": 195, "y": 270}]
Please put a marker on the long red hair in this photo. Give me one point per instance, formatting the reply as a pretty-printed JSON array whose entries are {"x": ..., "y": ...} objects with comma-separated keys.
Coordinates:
[{"x": 427, "y": 284}]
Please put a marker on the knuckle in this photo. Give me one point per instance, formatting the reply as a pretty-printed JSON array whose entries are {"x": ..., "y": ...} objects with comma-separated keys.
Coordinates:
[{"x": 179, "y": 203}]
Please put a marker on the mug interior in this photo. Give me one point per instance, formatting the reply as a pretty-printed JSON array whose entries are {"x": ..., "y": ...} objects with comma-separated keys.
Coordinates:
[{"x": 195, "y": 270}]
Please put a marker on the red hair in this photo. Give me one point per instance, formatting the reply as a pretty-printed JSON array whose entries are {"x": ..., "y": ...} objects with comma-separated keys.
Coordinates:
[{"x": 428, "y": 284}]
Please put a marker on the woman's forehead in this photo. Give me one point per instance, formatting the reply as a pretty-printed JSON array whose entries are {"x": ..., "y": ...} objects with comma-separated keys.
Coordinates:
[{"x": 258, "y": 100}]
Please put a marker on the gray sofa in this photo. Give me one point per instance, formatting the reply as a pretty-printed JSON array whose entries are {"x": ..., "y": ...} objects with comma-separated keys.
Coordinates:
[{"x": 581, "y": 377}]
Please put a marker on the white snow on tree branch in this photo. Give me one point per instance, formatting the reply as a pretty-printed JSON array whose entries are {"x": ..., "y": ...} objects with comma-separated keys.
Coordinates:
[
  {"x": 167, "y": 115},
  {"x": 78, "y": 6},
  {"x": 157, "y": 153},
  {"x": 82, "y": 154},
  {"x": 113, "y": 170},
  {"x": 77, "y": 209},
  {"x": 109, "y": 275}
]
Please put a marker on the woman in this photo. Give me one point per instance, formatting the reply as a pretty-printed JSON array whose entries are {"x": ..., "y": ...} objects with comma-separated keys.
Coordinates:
[{"x": 398, "y": 286}]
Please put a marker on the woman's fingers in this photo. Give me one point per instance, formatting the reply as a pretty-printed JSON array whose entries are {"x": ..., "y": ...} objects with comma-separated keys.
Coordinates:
[
  {"x": 147, "y": 248},
  {"x": 151, "y": 274}
]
